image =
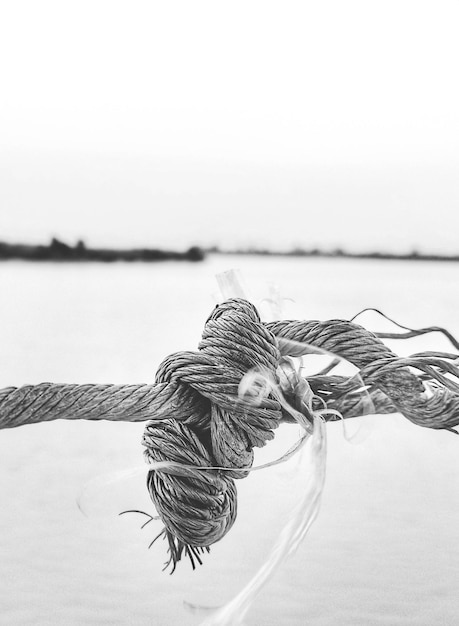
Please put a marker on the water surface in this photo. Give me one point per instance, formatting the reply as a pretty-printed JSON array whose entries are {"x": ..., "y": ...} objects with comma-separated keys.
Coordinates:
[{"x": 385, "y": 547}]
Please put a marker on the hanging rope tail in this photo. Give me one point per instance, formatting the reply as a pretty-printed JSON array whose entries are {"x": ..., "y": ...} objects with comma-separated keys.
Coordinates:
[{"x": 198, "y": 418}]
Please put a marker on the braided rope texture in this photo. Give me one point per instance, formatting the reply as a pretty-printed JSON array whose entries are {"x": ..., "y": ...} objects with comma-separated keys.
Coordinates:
[{"x": 197, "y": 418}]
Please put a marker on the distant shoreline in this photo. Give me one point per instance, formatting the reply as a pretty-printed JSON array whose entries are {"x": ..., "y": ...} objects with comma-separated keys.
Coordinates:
[
  {"x": 337, "y": 254},
  {"x": 58, "y": 251}
]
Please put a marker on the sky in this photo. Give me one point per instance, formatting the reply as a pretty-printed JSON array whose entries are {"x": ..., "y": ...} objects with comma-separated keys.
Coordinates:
[{"x": 250, "y": 123}]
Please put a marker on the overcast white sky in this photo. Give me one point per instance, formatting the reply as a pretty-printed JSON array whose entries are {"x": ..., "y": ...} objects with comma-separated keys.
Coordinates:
[{"x": 238, "y": 123}]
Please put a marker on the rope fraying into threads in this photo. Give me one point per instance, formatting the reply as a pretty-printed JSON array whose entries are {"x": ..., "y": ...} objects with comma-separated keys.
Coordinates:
[{"x": 225, "y": 422}]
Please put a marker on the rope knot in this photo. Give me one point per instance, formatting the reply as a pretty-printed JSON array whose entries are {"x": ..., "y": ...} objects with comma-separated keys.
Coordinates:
[{"x": 208, "y": 423}]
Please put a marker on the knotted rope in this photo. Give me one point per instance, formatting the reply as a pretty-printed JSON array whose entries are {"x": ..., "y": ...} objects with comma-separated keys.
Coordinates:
[{"x": 199, "y": 421}]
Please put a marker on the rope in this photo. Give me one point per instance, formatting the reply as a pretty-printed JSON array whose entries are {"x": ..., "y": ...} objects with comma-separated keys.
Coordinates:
[
  {"x": 379, "y": 367},
  {"x": 197, "y": 418},
  {"x": 47, "y": 401}
]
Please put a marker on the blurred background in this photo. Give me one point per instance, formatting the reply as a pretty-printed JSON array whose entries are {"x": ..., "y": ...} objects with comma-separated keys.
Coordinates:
[{"x": 224, "y": 126}]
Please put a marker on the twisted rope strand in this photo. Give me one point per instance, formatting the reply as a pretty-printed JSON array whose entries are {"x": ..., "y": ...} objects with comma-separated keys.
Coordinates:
[{"x": 31, "y": 404}]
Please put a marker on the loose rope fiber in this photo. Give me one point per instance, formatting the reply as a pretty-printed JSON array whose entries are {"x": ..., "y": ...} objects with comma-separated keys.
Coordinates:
[{"x": 198, "y": 419}]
